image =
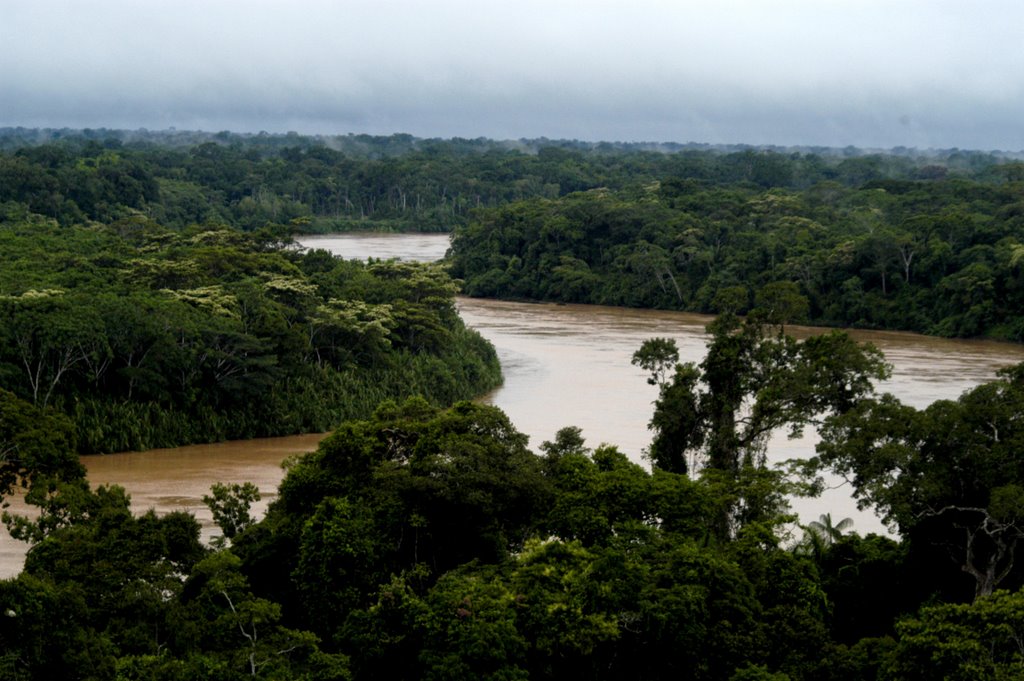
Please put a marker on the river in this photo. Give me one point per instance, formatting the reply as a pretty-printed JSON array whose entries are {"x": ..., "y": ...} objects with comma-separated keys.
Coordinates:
[{"x": 564, "y": 365}]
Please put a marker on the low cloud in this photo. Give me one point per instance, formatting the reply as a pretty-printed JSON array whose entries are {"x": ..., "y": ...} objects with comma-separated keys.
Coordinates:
[{"x": 870, "y": 73}]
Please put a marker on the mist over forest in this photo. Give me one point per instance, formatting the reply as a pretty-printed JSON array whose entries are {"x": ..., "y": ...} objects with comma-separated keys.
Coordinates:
[{"x": 151, "y": 295}]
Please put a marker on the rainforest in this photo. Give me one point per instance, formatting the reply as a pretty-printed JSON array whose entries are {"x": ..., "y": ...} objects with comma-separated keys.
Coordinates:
[{"x": 152, "y": 295}]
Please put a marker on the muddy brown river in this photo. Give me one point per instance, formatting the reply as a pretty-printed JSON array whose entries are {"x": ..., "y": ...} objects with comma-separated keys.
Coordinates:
[{"x": 563, "y": 365}]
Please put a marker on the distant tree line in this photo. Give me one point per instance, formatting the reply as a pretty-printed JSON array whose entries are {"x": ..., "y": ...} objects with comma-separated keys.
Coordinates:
[
  {"x": 942, "y": 255},
  {"x": 149, "y": 296},
  {"x": 395, "y": 182},
  {"x": 927, "y": 242}
]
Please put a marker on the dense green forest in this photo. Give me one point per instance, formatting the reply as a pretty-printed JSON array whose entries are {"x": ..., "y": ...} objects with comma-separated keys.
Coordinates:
[
  {"x": 429, "y": 543},
  {"x": 148, "y": 337},
  {"x": 928, "y": 242},
  {"x": 396, "y": 182},
  {"x": 150, "y": 295},
  {"x": 940, "y": 256}
]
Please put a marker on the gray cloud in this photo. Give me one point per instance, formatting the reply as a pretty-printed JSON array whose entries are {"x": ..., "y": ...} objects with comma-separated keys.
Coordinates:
[{"x": 871, "y": 73}]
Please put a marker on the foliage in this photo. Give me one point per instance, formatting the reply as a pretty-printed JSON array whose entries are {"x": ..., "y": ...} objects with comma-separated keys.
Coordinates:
[
  {"x": 716, "y": 418},
  {"x": 948, "y": 476},
  {"x": 428, "y": 543},
  {"x": 938, "y": 256},
  {"x": 230, "y": 507},
  {"x": 981, "y": 641},
  {"x": 920, "y": 241},
  {"x": 421, "y": 542},
  {"x": 400, "y": 182},
  {"x": 37, "y": 448},
  {"x": 148, "y": 338}
]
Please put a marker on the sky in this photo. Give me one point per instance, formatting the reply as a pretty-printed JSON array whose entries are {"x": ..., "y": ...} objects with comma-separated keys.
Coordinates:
[{"x": 867, "y": 73}]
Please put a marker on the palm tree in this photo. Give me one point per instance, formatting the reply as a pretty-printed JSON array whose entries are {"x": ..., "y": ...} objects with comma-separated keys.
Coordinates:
[
  {"x": 826, "y": 531},
  {"x": 820, "y": 534}
]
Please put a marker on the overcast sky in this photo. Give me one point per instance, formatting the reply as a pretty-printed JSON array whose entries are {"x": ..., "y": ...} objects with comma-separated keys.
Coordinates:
[{"x": 871, "y": 73}]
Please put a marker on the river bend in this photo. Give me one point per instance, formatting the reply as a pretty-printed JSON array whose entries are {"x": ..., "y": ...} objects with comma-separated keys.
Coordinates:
[{"x": 563, "y": 365}]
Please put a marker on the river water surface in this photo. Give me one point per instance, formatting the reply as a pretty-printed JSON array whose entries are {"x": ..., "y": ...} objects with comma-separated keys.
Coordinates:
[{"x": 563, "y": 365}]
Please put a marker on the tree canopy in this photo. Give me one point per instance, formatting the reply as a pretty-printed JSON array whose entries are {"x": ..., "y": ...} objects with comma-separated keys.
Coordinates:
[
  {"x": 937, "y": 256},
  {"x": 149, "y": 295},
  {"x": 146, "y": 337},
  {"x": 716, "y": 418},
  {"x": 948, "y": 477},
  {"x": 430, "y": 543}
]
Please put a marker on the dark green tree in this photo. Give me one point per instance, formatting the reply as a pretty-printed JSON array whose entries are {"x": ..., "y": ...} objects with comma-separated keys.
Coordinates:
[
  {"x": 37, "y": 448},
  {"x": 977, "y": 642},
  {"x": 230, "y": 506},
  {"x": 949, "y": 475},
  {"x": 719, "y": 414}
]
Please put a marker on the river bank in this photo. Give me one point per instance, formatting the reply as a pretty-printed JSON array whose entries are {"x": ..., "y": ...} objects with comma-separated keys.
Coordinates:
[{"x": 563, "y": 365}]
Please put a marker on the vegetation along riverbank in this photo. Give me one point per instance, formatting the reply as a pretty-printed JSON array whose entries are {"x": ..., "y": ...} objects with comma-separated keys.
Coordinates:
[{"x": 149, "y": 296}]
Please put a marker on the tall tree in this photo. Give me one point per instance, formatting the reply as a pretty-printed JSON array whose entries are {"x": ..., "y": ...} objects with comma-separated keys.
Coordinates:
[
  {"x": 718, "y": 416},
  {"x": 37, "y": 447},
  {"x": 950, "y": 475}
]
